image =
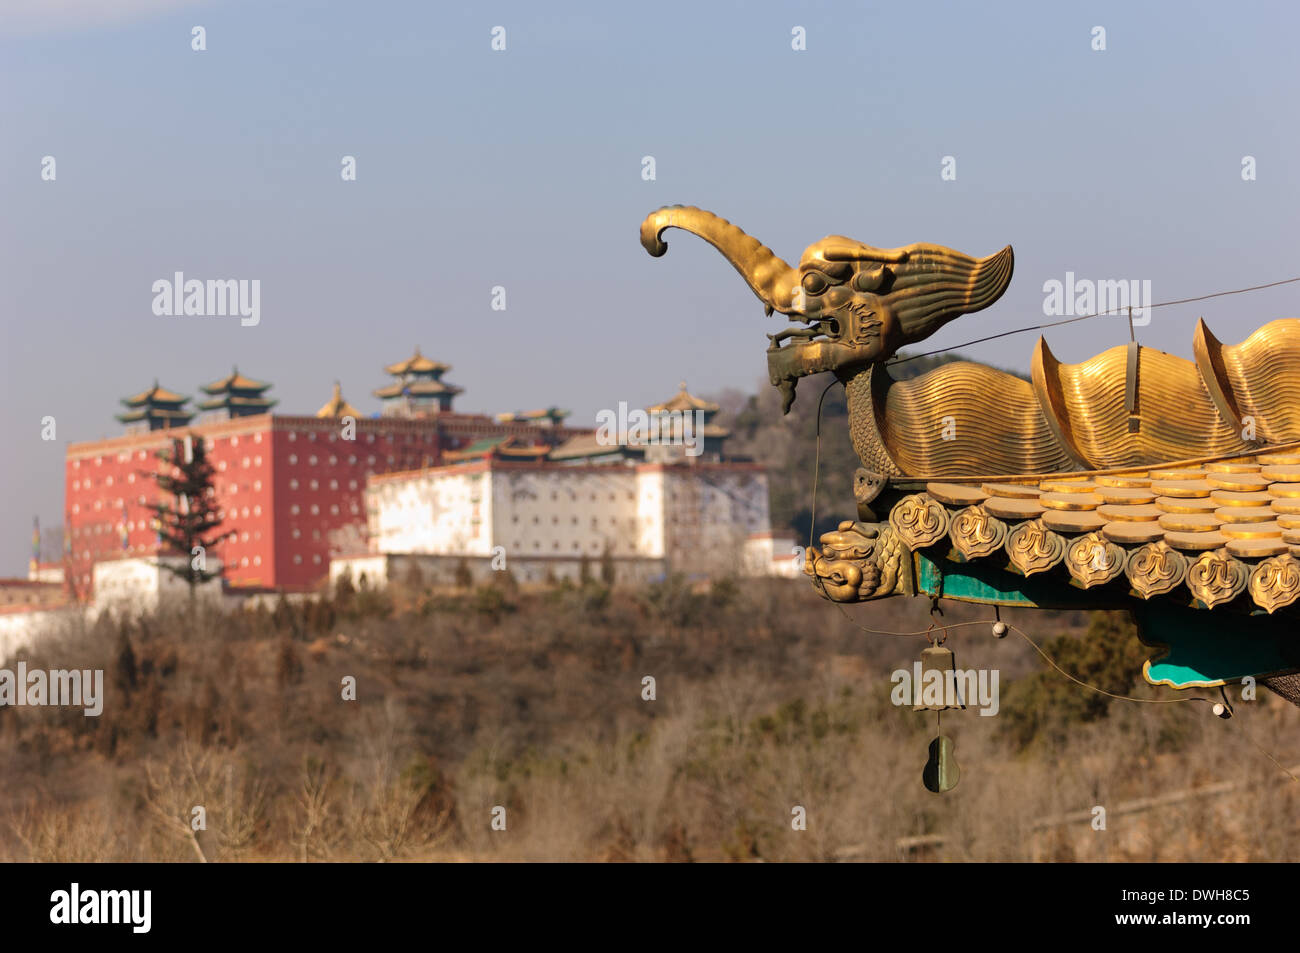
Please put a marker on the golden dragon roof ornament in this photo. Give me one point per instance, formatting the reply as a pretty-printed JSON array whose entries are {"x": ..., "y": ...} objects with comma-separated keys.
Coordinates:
[
  {"x": 1135, "y": 479},
  {"x": 1125, "y": 407}
]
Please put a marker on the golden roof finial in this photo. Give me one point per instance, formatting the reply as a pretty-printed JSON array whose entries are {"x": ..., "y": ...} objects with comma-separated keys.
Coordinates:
[{"x": 337, "y": 406}]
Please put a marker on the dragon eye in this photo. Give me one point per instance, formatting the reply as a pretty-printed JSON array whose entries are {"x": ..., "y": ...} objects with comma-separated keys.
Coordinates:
[
  {"x": 814, "y": 283},
  {"x": 869, "y": 281}
]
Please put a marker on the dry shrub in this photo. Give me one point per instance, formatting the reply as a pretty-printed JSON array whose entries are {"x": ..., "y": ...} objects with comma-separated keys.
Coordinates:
[{"x": 767, "y": 700}]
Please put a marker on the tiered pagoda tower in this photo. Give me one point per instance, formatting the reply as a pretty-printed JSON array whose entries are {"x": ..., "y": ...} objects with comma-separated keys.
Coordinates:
[
  {"x": 155, "y": 409},
  {"x": 418, "y": 389},
  {"x": 237, "y": 396},
  {"x": 712, "y": 435}
]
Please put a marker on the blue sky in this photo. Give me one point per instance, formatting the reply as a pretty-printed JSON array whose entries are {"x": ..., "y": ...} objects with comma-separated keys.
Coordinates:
[{"x": 522, "y": 169}]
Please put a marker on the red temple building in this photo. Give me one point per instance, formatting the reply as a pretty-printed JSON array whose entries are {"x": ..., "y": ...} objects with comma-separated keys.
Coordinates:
[{"x": 291, "y": 487}]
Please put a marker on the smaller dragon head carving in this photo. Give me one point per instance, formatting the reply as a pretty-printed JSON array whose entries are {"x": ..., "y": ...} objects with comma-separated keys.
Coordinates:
[
  {"x": 857, "y": 562},
  {"x": 858, "y": 304}
]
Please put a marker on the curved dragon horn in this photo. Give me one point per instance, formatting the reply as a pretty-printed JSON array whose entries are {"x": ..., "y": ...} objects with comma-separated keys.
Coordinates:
[
  {"x": 937, "y": 284},
  {"x": 770, "y": 277}
]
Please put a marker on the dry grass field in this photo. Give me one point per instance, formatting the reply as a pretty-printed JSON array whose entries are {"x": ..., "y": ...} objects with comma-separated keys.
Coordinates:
[{"x": 766, "y": 699}]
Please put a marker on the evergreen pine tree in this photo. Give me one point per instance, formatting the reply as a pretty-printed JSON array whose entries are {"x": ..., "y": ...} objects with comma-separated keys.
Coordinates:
[{"x": 187, "y": 526}]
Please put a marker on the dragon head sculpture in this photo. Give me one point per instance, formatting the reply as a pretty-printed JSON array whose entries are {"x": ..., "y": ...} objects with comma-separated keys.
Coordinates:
[
  {"x": 858, "y": 304},
  {"x": 859, "y": 561}
]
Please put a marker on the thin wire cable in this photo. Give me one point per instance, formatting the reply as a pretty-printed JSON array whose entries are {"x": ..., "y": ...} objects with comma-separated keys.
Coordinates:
[
  {"x": 1085, "y": 317},
  {"x": 1101, "y": 691},
  {"x": 817, "y": 463},
  {"x": 1261, "y": 749}
]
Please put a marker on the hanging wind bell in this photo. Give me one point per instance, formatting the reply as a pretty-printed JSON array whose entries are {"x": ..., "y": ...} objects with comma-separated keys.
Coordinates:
[
  {"x": 941, "y": 772},
  {"x": 935, "y": 687},
  {"x": 934, "y": 681}
]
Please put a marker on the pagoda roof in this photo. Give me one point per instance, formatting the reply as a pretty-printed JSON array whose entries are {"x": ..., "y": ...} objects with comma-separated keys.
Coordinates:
[
  {"x": 586, "y": 445},
  {"x": 235, "y": 381},
  {"x": 416, "y": 389},
  {"x": 684, "y": 400},
  {"x": 498, "y": 447},
  {"x": 337, "y": 406},
  {"x": 230, "y": 400},
  {"x": 154, "y": 395},
  {"x": 156, "y": 413},
  {"x": 417, "y": 364},
  {"x": 550, "y": 413},
  {"x": 1217, "y": 527}
]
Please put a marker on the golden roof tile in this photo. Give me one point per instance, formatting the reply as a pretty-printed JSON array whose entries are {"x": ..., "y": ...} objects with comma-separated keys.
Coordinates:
[
  {"x": 683, "y": 400},
  {"x": 234, "y": 381},
  {"x": 155, "y": 394},
  {"x": 417, "y": 364}
]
